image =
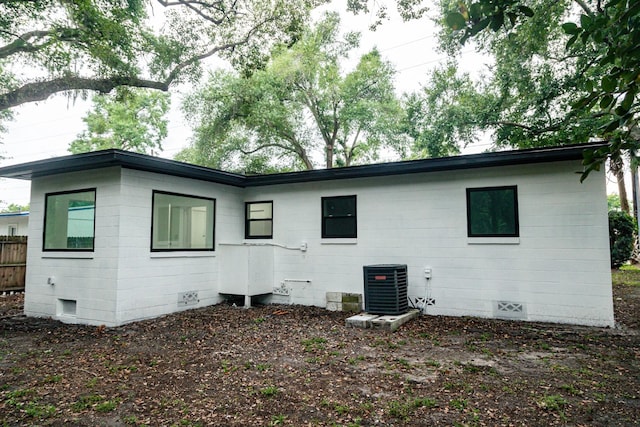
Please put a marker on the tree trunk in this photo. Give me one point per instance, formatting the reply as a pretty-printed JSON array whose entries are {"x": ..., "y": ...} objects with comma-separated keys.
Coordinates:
[
  {"x": 329, "y": 156},
  {"x": 616, "y": 166}
]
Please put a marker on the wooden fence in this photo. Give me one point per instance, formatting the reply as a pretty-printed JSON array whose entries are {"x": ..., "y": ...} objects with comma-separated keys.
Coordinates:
[{"x": 13, "y": 262}]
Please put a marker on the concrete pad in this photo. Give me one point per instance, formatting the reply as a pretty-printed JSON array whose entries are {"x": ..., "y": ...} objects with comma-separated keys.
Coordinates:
[
  {"x": 361, "y": 320},
  {"x": 391, "y": 323}
]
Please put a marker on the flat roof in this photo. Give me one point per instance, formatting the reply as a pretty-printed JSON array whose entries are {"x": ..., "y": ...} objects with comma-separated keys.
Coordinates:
[
  {"x": 143, "y": 162},
  {"x": 7, "y": 214}
]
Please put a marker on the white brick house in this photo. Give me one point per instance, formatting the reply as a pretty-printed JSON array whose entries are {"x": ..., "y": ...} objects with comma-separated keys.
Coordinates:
[{"x": 509, "y": 234}]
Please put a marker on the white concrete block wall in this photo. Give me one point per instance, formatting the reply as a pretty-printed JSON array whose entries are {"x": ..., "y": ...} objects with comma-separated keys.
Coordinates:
[
  {"x": 88, "y": 277},
  {"x": 122, "y": 280},
  {"x": 558, "y": 267},
  {"x": 21, "y": 222},
  {"x": 149, "y": 283}
]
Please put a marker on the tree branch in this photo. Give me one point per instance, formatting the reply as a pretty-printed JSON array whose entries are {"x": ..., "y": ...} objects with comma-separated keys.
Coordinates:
[
  {"x": 584, "y": 7},
  {"x": 351, "y": 149},
  {"x": 25, "y": 42},
  {"x": 39, "y": 91},
  {"x": 181, "y": 66},
  {"x": 192, "y": 5},
  {"x": 530, "y": 129},
  {"x": 263, "y": 146}
]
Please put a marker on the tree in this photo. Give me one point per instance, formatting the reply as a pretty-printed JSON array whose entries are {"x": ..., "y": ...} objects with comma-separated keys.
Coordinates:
[
  {"x": 299, "y": 108},
  {"x": 604, "y": 43},
  {"x": 129, "y": 119},
  {"x": 53, "y": 46},
  {"x": 613, "y": 202},
  {"x": 607, "y": 38},
  {"x": 407, "y": 9},
  {"x": 448, "y": 112},
  {"x": 13, "y": 207},
  {"x": 622, "y": 229}
]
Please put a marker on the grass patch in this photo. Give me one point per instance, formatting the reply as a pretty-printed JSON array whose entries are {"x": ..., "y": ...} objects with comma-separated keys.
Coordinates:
[
  {"x": 626, "y": 275},
  {"x": 86, "y": 402},
  {"x": 399, "y": 410},
  {"x": 36, "y": 410},
  {"x": 107, "y": 406},
  {"x": 553, "y": 402},
  {"x": 269, "y": 391},
  {"x": 314, "y": 344},
  {"x": 424, "y": 402}
]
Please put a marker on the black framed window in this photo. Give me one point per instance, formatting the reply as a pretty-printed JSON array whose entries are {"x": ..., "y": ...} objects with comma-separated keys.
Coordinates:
[
  {"x": 339, "y": 218},
  {"x": 182, "y": 223},
  {"x": 258, "y": 222},
  {"x": 492, "y": 212},
  {"x": 69, "y": 221}
]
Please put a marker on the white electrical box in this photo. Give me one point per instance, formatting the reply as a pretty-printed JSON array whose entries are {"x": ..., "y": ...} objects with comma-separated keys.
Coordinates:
[{"x": 427, "y": 272}]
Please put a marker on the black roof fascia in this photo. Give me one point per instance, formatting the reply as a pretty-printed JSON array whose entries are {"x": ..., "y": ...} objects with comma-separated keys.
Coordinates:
[
  {"x": 470, "y": 161},
  {"x": 143, "y": 162},
  {"x": 113, "y": 157}
]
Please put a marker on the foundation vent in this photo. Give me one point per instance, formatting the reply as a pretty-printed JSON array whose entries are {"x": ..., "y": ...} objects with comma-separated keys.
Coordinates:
[
  {"x": 510, "y": 310},
  {"x": 188, "y": 298},
  {"x": 67, "y": 307}
]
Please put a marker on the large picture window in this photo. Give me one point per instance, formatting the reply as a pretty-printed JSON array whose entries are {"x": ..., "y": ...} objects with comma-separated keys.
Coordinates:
[
  {"x": 182, "y": 222},
  {"x": 69, "y": 221},
  {"x": 258, "y": 220},
  {"x": 339, "y": 217},
  {"x": 492, "y": 212}
]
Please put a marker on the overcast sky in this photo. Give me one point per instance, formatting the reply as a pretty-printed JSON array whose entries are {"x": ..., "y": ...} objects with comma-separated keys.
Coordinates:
[{"x": 45, "y": 129}]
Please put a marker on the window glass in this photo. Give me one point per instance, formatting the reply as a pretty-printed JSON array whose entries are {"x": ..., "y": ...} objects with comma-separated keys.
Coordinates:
[
  {"x": 492, "y": 212},
  {"x": 259, "y": 220},
  {"x": 182, "y": 222},
  {"x": 69, "y": 221},
  {"x": 339, "y": 217}
]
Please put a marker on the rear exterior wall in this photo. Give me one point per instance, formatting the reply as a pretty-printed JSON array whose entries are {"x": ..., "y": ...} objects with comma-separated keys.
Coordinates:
[
  {"x": 557, "y": 270},
  {"x": 153, "y": 283},
  {"x": 84, "y": 278},
  {"x": 122, "y": 280}
]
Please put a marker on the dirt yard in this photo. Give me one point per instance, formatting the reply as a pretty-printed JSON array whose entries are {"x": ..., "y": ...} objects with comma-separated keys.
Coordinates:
[{"x": 301, "y": 366}]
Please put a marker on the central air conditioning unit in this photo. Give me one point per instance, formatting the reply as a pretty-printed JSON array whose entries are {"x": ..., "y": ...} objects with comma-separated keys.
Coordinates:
[{"x": 385, "y": 289}]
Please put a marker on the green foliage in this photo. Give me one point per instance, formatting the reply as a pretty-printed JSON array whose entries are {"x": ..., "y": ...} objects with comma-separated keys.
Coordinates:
[
  {"x": 269, "y": 391},
  {"x": 622, "y": 229},
  {"x": 314, "y": 344},
  {"x": 553, "y": 402},
  {"x": 400, "y": 410},
  {"x": 407, "y": 9},
  {"x": 626, "y": 275},
  {"x": 13, "y": 207},
  {"x": 75, "y": 46},
  {"x": 584, "y": 71},
  {"x": 613, "y": 202},
  {"x": 129, "y": 119},
  {"x": 443, "y": 114},
  {"x": 300, "y": 107}
]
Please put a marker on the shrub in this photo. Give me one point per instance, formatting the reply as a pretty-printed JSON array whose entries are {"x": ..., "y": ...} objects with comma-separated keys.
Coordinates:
[{"x": 621, "y": 237}]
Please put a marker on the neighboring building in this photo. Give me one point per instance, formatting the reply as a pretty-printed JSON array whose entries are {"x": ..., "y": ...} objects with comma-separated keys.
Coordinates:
[
  {"x": 506, "y": 235},
  {"x": 14, "y": 223}
]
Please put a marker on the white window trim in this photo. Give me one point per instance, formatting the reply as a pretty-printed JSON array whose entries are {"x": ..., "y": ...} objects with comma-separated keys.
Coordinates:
[
  {"x": 493, "y": 240},
  {"x": 339, "y": 241}
]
